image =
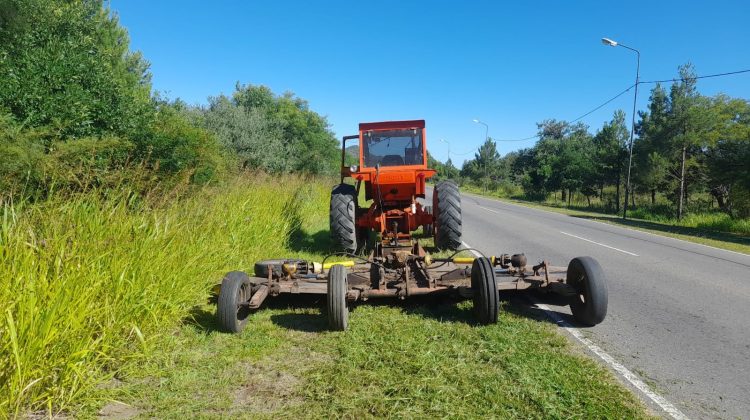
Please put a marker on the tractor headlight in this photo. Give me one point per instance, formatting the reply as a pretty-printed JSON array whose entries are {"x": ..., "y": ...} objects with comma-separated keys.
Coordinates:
[{"x": 353, "y": 168}]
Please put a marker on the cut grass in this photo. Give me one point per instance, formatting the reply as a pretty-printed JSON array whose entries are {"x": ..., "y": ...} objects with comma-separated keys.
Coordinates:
[
  {"x": 128, "y": 323},
  {"x": 423, "y": 358},
  {"x": 694, "y": 228}
]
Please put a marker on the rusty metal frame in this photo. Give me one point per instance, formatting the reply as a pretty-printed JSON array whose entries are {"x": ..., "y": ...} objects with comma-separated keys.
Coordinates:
[{"x": 416, "y": 274}]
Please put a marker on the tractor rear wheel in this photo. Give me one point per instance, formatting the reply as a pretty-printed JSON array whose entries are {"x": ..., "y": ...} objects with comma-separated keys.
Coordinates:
[
  {"x": 484, "y": 285},
  {"x": 236, "y": 289},
  {"x": 428, "y": 231},
  {"x": 446, "y": 205},
  {"x": 338, "y": 313},
  {"x": 589, "y": 305},
  {"x": 342, "y": 218}
]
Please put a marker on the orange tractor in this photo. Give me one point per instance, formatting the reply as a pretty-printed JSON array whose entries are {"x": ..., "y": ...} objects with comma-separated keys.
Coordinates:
[{"x": 393, "y": 169}]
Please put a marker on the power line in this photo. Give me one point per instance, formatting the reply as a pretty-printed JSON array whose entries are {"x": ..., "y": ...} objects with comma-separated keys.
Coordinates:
[
  {"x": 730, "y": 73},
  {"x": 699, "y": 77},
  {"x": 605, "y": 103},
  {"x": 579, "y": 118}
]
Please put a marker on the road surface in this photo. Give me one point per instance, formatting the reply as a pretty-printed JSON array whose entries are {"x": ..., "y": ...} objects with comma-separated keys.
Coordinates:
[{"x": 679, "y": 313}]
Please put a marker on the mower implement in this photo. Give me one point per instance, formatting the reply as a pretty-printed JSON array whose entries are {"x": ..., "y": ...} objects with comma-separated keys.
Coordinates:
[{"x": 400, "y": 272}]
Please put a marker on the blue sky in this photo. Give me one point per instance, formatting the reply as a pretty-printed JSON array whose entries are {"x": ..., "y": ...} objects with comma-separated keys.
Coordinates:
[{"x": 510, "y": 65}]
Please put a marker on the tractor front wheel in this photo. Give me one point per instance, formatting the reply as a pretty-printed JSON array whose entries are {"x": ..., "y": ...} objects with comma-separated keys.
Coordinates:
[
  {"x": 484, "y": 285},
  {"x": 589, "y": 305},
  {"x": 446, "y": 205},
  {"x": 342, "y": 218},
  {"x": 338, "y": 313},
  {"x": 236, "y": 290}
]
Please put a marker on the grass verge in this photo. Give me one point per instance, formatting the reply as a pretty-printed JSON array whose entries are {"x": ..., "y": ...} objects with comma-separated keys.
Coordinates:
[{"x": 107, "y": 316}]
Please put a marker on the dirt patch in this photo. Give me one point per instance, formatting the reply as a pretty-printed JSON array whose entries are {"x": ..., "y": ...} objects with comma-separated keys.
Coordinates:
[
  {"x": 267, "y": 388},
  {"x": 118, "y": 410},
  {"x": 273, "y": 384}
]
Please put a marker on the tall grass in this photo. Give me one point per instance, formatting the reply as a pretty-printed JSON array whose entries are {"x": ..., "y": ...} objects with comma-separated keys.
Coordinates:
[{"x": 89, "y": 283}]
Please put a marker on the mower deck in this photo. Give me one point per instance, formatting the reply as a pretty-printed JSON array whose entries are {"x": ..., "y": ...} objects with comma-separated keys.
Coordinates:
[
  {"x": 403, "y": 271},
  {"x": 450, "y": 278}
]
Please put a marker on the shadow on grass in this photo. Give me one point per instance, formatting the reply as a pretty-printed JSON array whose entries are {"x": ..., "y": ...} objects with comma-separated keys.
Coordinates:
[
  {"x": 307, "y": 313},
  {"x": 439, "y": 307},
  {"x": 203, "y": 320},
  {"x": 301, "y": 241},
  {"x": 681, "y": 230},
  {"x": 313, "y": 320}
]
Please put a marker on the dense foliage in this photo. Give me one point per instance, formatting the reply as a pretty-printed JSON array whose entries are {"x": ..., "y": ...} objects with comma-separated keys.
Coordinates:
[
  {"x": 690, "y": 152},
  {"x": 77, "y": 111},
  {"x": 274, "y": 133}
]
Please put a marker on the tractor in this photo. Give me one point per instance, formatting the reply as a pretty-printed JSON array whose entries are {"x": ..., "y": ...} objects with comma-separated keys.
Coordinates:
[{"x": 392, "y": 169}]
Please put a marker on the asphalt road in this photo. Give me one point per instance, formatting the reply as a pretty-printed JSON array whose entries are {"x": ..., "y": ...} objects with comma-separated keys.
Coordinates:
[{"x": 678, "y": 312}]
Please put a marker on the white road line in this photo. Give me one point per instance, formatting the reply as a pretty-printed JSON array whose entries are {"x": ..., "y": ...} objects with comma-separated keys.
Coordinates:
[
  {"x": 601, "y": 223},
  {"x": 614, "y": 364},
  {"x": 600, "y": 244},
  {"x": 488, "y": 209},
  {"x": 609, "y": 360}
]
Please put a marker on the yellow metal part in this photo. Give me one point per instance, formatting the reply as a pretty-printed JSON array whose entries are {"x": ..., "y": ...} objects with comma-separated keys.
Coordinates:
[
  {"x": 463, "y": 260},
  {"x": 328, "y": 265}
]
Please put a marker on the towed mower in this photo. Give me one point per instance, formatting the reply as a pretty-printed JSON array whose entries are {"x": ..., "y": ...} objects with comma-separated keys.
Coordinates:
[{"x": 393, "y": 168}]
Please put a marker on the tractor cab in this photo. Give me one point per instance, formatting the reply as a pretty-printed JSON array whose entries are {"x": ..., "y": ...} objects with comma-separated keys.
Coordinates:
[{"x": 399, "y": 147}]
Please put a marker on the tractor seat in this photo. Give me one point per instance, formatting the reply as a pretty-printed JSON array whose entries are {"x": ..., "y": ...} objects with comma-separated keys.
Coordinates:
[{"x": 392, "y": 160}]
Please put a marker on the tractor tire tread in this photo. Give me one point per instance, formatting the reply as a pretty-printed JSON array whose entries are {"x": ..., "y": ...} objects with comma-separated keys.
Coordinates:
[
  {"x": 447, "y": 210},
  {"x": 343, "y": 218},
  {"x": 338, "y": 313},
  {"x": 486, "y": 296}
]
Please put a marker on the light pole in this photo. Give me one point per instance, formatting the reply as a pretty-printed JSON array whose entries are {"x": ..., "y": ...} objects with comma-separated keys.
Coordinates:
[
  {"x": 486, "y": 136},
  {"x": 449, "y": 146},
  {"x": 611, "y": 43},
  {"x": 449, "y": 154}
]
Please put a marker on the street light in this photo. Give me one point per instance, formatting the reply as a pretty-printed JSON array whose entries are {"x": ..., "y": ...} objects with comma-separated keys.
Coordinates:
[
  {"x": 611, "y": 43},
  {"x": 486, "y": 136}
]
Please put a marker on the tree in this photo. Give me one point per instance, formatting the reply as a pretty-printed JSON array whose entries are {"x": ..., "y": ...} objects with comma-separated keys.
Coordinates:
[
  {"x": 610, "y": 152},
  {"x": 247, "y": 132},
  {"x": 66, "y": 65},
  {"x": 309, "y": 143},
  {"x": 651, "y": 148},
  {"x": 487, "y": 158}
]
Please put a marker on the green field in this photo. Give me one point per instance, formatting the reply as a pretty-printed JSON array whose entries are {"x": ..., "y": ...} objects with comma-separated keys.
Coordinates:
[{"x": 105, "y": 311}]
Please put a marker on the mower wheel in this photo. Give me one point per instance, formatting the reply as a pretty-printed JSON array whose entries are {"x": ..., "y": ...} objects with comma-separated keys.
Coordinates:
[
  {"x": 261, "y": 267},
  {"x": 338, "y": 313},
  {"x": 446, "y": 204},
  {"x": 235, "y": 290},
  {"x": 484, "y": 285},
  {"x": 428, "y": 228},
  {"x": 589, "y": 305},
  {"x": 342, "y": 218}
]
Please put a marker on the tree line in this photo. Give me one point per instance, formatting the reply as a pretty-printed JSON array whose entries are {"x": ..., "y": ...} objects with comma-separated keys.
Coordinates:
[
  {"x": 689, "y": 150},
  {"x": 77, "y": 109}
]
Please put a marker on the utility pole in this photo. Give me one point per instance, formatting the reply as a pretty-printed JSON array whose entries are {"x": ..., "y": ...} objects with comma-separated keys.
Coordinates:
[
  {"x": 486, "y": 137},
  {"x": 607, "y": 41}
]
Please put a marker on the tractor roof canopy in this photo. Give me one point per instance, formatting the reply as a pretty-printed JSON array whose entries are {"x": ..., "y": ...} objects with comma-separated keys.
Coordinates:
[{"x": 392, "y": 143}]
